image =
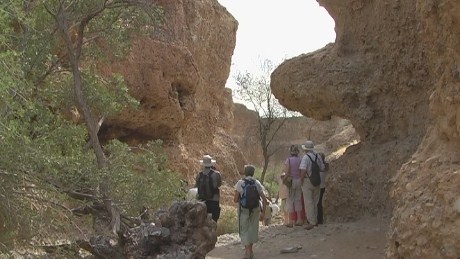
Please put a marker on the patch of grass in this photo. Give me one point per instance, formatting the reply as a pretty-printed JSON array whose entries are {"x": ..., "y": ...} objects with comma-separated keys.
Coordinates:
[{"x": 228, "y": 221}]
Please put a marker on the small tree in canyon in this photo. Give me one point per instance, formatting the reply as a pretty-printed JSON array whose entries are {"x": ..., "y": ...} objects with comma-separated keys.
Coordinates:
[{"x": 271, "y": 115}]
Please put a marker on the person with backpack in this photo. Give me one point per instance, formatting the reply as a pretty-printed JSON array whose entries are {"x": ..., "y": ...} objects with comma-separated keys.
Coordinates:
[
  {"x": 208, "y": 183},
  {"x": 248, "y": 193},
  {"x": 310, "y": 167}
]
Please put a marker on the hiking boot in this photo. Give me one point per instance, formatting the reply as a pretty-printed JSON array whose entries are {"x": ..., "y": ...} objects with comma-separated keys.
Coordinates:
[{"x": 309, "y": 226}]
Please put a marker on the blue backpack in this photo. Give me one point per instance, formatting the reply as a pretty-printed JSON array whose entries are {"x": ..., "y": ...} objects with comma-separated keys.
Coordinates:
[{"x": 250, "y": 197}]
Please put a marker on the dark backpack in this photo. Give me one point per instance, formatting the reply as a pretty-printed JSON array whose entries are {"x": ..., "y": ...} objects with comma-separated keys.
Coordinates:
[
  {"x": 250, "y": 197},
  {"x": 205, "y": 186},
  {"x": 315, "y": 178}
]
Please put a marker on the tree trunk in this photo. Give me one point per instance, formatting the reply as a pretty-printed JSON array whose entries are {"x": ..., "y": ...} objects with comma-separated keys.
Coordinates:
[
  {"x": 74, "y": 60},
  {"x": 74, "y": 52},
  {"x": 266, "y": 161}
]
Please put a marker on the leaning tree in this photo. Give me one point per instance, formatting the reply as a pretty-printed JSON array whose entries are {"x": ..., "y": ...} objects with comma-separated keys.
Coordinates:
[{"x": 271, "y": 115}]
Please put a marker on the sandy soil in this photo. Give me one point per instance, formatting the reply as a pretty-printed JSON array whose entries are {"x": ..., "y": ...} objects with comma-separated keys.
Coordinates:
[{"x": 364, "y": 238}]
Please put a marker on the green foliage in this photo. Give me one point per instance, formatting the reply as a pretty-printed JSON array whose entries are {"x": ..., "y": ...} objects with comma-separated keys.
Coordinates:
[
  {"x": 41, "y": 149},
  {"x": 38, "y": 149},
  {"x": 108, "y": 96},
  {"x": 44, "y": 154},
  {"x": 271, "y": 182},
  {"x": 142, "y": 178}
]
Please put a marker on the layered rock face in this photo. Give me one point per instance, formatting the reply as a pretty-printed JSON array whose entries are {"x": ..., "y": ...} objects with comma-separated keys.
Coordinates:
[
  {"x": 394, "y": 73},
  {"x": 179, "y": 78},
  {"x": 426, "y": 219}
]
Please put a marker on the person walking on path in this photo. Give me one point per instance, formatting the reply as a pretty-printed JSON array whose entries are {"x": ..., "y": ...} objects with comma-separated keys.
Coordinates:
[
  {"x": 311, "y": 193},
  {"x": 248, "y": 218},
  {"x": 208, "y": 183},
  {"x": 294, "y": 200}
]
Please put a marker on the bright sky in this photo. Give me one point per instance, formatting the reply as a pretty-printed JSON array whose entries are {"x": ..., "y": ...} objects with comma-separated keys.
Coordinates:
[{"x": 276, "y": 30}]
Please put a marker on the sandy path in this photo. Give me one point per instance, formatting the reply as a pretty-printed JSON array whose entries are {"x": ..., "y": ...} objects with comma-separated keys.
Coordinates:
[{"x": 364, "y": 238}]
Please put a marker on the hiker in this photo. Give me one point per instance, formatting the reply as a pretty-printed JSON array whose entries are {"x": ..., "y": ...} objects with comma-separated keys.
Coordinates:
[
  {"x": 248, "y": 192},
  {"x": 208, "y": 182},
  {"x": 322, "y": 189},
  {"x": 310, "y": 192},
  {"x": 283, "y": 192},
  {"x": 294, "y": 199}
]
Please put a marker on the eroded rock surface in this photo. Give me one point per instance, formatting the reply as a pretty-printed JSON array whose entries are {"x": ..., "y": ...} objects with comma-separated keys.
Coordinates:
[
  {"x": 179, "y": 78},
  {"x": 393, "y": 71}
]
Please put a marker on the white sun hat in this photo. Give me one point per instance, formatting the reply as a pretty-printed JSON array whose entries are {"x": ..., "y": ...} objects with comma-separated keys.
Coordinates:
[
  {"x": 207, "y": 161},
  {"x": 309, "y": 145}
]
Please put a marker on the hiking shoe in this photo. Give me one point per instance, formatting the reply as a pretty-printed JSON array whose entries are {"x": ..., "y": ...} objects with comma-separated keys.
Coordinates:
[{"x": 309, "y": 226}]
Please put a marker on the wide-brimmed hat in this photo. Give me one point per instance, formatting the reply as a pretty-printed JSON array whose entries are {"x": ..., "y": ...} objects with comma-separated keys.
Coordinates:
[
  {"x": 207, "y": 161},
  {"x": 309, "y": 145}
]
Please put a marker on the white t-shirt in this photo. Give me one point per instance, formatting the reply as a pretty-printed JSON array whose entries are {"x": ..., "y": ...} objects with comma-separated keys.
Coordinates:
[
  {"x": 239, "y": 185},
  {"x": 306, "y": 162}
]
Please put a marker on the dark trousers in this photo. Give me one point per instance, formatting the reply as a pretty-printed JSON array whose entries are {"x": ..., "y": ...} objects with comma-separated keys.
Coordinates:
[
  {"x": 213, "y": 208},
  {"x": 320, "y": 206}
]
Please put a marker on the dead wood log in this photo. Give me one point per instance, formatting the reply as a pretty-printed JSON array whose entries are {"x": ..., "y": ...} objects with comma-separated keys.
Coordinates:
[{"x": 183, "y": 231}]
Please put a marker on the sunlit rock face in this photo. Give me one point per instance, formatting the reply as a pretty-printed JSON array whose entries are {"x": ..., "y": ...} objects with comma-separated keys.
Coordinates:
[
  {"x": 179, "y": 78},
  {"x": 394, "y": 72}
]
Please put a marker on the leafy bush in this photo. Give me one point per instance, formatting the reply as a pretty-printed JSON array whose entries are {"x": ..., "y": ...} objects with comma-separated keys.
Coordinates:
[
  {"x": 48, "y": 154},
  {"x": 141, "y": 178}
]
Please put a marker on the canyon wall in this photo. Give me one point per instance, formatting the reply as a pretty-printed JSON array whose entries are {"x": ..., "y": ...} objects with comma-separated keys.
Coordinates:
[
  {"x": 179, "y": 77},
  {"x": 393, "y": 71}
]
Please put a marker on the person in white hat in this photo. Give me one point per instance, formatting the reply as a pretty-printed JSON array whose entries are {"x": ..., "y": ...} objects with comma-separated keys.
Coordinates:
[
  {"x": 208, "y": 183},
  {"x": 311, "y": 193}
]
